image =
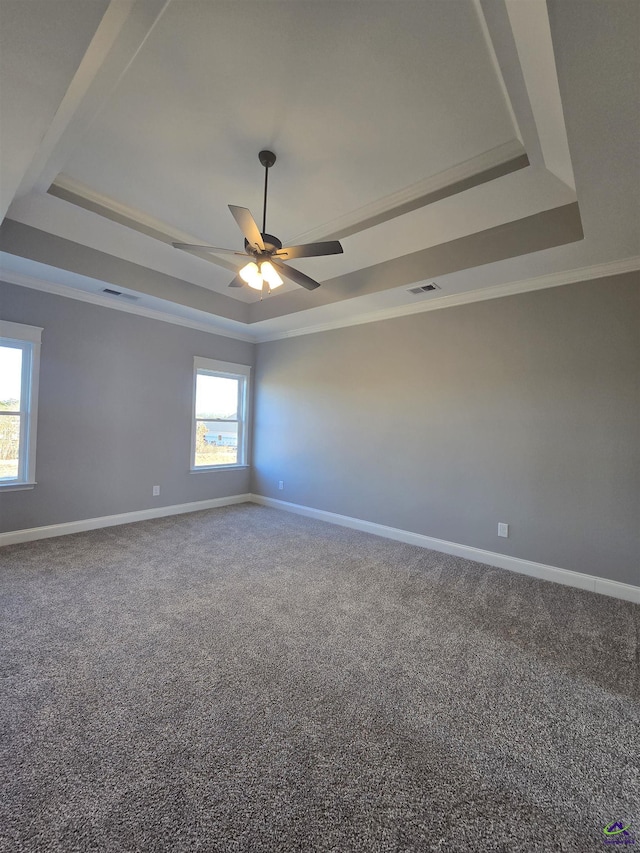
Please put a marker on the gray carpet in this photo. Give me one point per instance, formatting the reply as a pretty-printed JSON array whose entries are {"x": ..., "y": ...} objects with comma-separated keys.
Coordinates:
[{"x": 244, "y": 679}]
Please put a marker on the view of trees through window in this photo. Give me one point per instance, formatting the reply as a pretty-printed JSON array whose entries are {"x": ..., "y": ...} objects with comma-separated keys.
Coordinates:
[
  {"x": 217, "y": 400},
  {"x": 10, "y": 384}
]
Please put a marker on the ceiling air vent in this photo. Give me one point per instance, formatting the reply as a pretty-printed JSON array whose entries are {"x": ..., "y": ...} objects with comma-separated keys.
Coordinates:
[
  {"x": 128, "y": 296},
  {"x": 424, "y": 288}
]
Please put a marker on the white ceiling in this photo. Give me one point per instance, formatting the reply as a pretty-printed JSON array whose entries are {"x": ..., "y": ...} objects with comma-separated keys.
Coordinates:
[
  {"x": 401, "y": 128},
  {"x": 346, "y": 95},
  {"x": 41, "y": 46}
]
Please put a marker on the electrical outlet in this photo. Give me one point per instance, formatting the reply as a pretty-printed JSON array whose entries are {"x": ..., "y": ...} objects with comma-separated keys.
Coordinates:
[
  {"x": 503, "y": 529},
  {"x": 281, "y": 484},
  {"x": 156, "y": 491}
]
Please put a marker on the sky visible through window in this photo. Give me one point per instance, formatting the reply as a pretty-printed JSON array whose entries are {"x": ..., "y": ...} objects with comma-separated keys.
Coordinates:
[
  {"x": 216, "y": 397},
  {"x": 10, "y": 373}
]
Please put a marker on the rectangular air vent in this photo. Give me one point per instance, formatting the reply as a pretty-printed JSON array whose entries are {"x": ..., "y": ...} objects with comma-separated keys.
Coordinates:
[
  {"x": 128, "y": 296},
  {"x": 424, "y": 288}
]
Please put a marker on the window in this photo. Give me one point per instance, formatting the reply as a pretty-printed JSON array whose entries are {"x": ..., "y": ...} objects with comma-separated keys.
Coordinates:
[
  {"x": 220, "y": 405},
  {"x": 19, "y": 368}
]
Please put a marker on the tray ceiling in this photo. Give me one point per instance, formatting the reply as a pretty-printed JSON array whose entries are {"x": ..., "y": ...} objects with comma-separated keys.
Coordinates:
[{"x": 431, "y": 138}]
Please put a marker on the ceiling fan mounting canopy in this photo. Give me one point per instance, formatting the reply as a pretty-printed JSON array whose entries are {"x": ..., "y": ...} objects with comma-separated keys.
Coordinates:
[
  {"x": 265, "y": 251},
  {"x": 267, "y": 158}
]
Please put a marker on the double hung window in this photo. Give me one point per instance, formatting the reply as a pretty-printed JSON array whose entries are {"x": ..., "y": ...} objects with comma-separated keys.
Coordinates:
[
  {"x": 19, "y": 371},
  {"x": 220, "y": 411}
]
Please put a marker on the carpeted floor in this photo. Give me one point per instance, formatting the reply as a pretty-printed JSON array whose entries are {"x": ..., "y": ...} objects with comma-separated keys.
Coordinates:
[{"x": 244, "y": 679}]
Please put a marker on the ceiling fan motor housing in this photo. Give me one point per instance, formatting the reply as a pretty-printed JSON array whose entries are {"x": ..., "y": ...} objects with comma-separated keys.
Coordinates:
[{"x": 272, "y": 244}]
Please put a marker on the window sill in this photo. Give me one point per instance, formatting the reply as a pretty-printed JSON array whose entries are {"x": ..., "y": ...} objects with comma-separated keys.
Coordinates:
[
  {"x": 208, "y": 470},
  {"x": 16, "y": 487}
]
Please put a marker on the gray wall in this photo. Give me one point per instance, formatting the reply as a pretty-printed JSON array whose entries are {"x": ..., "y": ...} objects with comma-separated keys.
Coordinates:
[
  {"x": 524, "y": 409},
  {"x": 114, "y": 412}
]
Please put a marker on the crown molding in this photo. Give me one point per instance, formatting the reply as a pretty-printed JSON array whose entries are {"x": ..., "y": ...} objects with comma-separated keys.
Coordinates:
[
  {"x": 419, "y": 194},
  {"x": 75, "y": 192},
  {"x": 129, "y": 308},
  {"x": 510, "y": 155},
  {"x": 497, "y": 291},
  {"x": 603, "y": 270},
  {"x": 491, "y": 50},
  {"x": 82, "y": 195}
]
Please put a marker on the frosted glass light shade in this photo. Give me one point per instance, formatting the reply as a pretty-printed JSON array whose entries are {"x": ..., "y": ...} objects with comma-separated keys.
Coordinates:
[
  {"x": 251, "y": 274},
  {"x": 270, "y": 274}
]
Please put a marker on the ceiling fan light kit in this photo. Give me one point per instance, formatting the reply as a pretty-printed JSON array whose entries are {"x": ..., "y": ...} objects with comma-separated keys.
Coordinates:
[
  {"x": 265, "y": 269},
  {"x": 256, "y": 276}
]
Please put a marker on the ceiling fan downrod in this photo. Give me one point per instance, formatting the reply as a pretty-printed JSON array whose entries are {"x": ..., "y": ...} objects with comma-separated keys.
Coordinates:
[
  {"x": 267, "y": 257},
  {"x": 267, "y": 158}
]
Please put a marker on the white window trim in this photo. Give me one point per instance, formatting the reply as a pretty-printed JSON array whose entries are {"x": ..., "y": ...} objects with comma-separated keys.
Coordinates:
[
  {"x": 233, "y": 371},
  {"x": 28, "y": 338}
]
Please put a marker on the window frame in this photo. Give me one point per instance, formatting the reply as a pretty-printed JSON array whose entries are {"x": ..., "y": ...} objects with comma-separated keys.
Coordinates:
[
  {"x": 225, "y": 370},
  {"x": 27, "y": 339}
]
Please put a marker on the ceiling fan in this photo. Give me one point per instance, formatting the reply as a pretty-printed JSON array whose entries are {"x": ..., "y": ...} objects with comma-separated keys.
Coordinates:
[{"x": 265, "y": 269}]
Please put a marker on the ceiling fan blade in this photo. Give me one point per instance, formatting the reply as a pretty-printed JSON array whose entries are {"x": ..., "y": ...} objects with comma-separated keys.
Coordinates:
[
  {"x": 295, "y": 275},
  {"x": 190, "y": 246},
  {"x": 237, "y": 282},
  {"x": 310, "y": 250},
  {"x": 247, "y": 225}
]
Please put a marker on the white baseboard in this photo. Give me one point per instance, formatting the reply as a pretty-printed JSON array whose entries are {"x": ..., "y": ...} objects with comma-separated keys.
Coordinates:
[
  {"x": 625, "y": 591},
  {"x": 14, "y": 537}
]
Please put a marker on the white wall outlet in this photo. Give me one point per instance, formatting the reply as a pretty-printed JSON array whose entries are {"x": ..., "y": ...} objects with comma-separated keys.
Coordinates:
[
  {"x": 156, "y": 490},
  {"x": 281, "y": 484},
  {"x": 503, "y": 529}
]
